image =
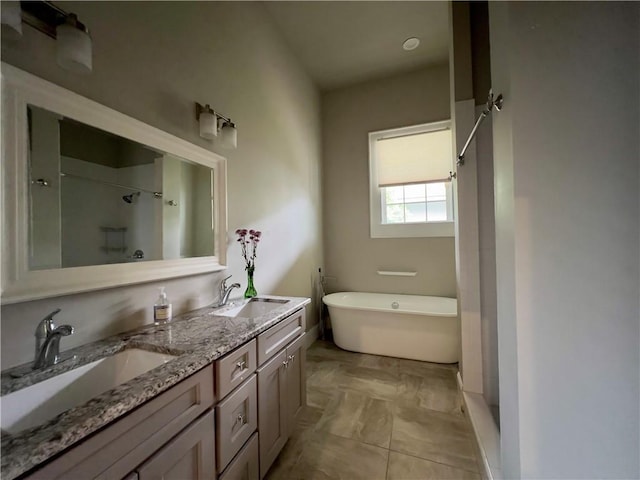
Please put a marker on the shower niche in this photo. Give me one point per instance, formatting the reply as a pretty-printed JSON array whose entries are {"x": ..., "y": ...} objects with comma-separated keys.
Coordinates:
[{"x": 93, "y": 198}]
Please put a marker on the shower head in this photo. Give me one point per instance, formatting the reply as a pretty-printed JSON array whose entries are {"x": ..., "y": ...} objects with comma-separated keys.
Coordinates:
[{"x": 129, "y": 198}]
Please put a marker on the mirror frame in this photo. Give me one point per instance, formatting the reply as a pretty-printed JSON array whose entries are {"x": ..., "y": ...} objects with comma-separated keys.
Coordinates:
[{"x": 19, "y": 284}]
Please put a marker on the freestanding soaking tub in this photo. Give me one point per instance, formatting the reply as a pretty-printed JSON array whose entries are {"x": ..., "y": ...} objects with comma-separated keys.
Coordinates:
[{"x": 405, "y": 326}]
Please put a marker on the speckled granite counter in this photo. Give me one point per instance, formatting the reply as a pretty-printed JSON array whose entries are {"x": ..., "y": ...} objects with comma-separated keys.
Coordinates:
[{"x": 197, "y": 338}]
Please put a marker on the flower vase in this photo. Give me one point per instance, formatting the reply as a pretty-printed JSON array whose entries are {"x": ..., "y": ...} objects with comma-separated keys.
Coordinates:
[{"x": 251, "y": 290}]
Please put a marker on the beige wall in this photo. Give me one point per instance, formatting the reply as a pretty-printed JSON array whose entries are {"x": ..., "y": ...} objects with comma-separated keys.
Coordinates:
[
  {"x": 152, "y": 61},
  {"x": 351, "y": 256},
  {"x": 568, "y": 262}
]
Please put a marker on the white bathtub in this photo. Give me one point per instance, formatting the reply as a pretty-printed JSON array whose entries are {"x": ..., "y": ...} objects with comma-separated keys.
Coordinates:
[{"x": 405, "y": 326}]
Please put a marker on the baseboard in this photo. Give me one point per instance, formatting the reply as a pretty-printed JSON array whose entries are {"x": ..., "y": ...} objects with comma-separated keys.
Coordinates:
[
  {"x": 312, "y": 335},
  {"x": 485, "y": 431}
]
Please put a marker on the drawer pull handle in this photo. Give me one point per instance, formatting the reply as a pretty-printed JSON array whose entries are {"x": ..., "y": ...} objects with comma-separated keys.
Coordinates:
[
  {"x": 241, "y": 365},
  {"x": 285, "y": 364},
  {"x": 241, "y": 419},
  {"x": 292, "y": 358}
]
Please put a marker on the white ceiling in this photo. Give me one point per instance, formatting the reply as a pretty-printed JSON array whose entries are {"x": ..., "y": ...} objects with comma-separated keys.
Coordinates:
[{"x": 345, "y": 42}]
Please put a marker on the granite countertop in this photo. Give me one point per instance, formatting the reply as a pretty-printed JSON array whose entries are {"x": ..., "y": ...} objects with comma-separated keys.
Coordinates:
[{"x": 197, "y": 338}]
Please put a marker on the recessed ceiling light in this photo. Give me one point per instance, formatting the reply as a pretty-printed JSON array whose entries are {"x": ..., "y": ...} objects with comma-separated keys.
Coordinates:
[{"x": 411, "y": 43}]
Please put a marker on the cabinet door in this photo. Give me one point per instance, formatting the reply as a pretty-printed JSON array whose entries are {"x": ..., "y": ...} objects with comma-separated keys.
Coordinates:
[
  {"x": 189, "y": 455},
  {"x": 296, "y": 381},
  {"x": 272, "y": 411}
]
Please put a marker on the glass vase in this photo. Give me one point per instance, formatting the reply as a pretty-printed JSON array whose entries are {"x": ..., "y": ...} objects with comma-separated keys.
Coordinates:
[{"x": 251, "y": 290}]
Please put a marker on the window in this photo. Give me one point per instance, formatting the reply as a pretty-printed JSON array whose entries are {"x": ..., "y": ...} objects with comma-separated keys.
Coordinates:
[
  {"x": 410, "y": 190},
  {"x": 416, "y": 203}
]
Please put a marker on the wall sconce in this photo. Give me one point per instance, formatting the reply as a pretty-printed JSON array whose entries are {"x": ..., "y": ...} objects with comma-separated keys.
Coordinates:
[
  {"x": 211, "y": 123},
  {"x": 73, "y": 43},
  {"x": 73, "y": 48},
  {"x": 208, "y": 123},
  {"x": 11, "y": 16}
]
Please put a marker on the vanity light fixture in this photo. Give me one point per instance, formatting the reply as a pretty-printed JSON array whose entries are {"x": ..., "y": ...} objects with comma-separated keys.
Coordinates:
[
  {"x": 12, "y": 16},
  {"x": 228, "y": 134},
  {"x": 73, "y": 48},
  {"x": 73, "y": 43},
  {"x": 212, "y": 122},
  {"x": 208, "y": 123}
]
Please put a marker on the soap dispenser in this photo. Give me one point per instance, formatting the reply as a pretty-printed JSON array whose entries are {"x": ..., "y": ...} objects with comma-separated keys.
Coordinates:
[{"x": 162, "y": 309}]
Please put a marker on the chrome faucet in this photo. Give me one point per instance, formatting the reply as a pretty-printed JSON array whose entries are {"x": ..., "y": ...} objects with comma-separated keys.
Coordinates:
[
  {"x": 226, "y": 291},
  {"x": 48, "y": 341}
]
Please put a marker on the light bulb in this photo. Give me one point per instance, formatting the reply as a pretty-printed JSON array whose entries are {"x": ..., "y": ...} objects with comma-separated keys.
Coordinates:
[
  {"x": 208, "y": 123},
  {"x": 229, "y": 135},
  {"x": 12, "y": 16},
  {"x": 73, "y": 46}
]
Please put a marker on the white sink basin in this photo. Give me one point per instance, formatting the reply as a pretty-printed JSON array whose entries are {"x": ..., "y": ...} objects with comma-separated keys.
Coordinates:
[
  {"x": 42, "y": 401},
  {"x": 256, "y": 307}
]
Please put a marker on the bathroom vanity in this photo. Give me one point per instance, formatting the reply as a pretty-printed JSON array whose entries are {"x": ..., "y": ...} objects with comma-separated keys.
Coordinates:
[
  {"x": 221, "y": 405},
  {"x": 214, "y": 393}
]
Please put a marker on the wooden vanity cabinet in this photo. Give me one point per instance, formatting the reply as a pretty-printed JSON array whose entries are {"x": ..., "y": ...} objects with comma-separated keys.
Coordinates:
[
  {"x": 281, "y": 389},
  {"x": 230, "y": 419}
]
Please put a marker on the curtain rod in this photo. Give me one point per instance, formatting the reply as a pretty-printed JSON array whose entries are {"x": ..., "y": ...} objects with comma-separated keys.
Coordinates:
[
  {"x": 111, "y": 184},
  {"x": 491, "y": 104}
]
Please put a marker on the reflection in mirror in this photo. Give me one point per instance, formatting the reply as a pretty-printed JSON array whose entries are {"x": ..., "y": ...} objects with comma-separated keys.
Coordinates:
[{"x": 97, "y": 198}]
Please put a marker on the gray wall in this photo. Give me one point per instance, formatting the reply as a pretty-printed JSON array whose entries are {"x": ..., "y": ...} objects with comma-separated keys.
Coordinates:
[
  {"x": 566, "y": 162},
  {"x": 352, "y": 257},
  {"x": 152, "y": 61}
]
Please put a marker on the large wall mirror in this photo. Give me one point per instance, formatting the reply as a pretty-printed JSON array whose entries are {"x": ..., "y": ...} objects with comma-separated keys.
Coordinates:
[{"x": 95, "y": 199}]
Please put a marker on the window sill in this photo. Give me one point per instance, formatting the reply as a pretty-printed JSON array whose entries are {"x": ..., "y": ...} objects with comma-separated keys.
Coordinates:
[{"x": 408, "y": 230}]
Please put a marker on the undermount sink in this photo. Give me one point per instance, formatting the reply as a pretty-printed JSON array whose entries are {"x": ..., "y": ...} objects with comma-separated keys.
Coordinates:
[
  {"x": 256, "y": 307},
  {"x": 42, "y": 401}
]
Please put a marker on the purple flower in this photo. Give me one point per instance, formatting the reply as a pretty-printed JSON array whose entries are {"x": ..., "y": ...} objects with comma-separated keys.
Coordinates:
[{"x": 249, "y": 246}]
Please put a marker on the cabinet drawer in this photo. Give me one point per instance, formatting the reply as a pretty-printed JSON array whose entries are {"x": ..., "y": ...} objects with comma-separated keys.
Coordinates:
[
  {"x": 188, "y": 455},
  {"x": 235, "y": 368},
  {"x": 245, "y": 466},
  {"x": 278, "y": 336},
  {"x": 237, "y": 419},
  {"x": 119, "y": 448}
]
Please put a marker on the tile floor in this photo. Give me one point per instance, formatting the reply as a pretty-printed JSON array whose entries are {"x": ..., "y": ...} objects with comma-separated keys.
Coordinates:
[{"x": 377, "y": 418}]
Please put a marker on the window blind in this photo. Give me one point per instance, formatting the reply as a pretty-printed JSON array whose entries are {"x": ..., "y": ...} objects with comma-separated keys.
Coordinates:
[{"x": 418, "y": 158}]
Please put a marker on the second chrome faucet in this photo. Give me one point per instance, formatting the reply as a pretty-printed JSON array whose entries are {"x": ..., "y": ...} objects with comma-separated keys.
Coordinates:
[{"x": 225, "y": 291}]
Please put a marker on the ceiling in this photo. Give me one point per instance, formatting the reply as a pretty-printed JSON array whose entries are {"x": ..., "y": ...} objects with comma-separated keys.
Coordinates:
[{"x": 345, "y": 42}]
